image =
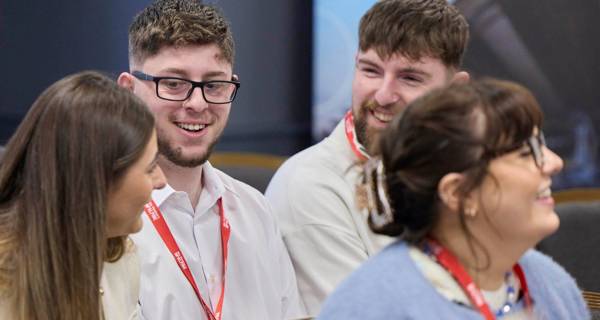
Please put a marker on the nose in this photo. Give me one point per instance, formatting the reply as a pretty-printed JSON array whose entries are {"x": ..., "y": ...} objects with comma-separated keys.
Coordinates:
[
  {"x": 196, "y": 100},
  {"x": 159, "y": 180},
  {"x": 388, "y": 92},
  {"x": 553, "y": 163}
]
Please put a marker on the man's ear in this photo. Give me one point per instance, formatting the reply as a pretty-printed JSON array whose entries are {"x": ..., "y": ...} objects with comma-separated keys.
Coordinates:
[
  {"x": 235, "y": 77},
  {"x": 125, "y": 80},
  {"x": 460, "y": 77},
  {"x": 448, "y": 190}
]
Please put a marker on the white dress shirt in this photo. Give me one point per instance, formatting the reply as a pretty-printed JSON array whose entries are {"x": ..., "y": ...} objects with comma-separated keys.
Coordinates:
[{"x": 260, "y": 282}]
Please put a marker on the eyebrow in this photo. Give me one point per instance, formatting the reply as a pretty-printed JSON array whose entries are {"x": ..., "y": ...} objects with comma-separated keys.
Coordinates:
[
  {"x": 176, "y": 71},
  {"x": 365, "y": 61},
  {"x": 415, "y": 71},
  {"x": 183, "y": 74},
  {"x": 409, "y": 69}
]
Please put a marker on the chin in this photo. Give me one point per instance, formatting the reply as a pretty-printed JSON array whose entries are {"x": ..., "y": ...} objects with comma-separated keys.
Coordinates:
[
  {"x": 550, "y": 226},
  {"x": 136, "y": 226}
]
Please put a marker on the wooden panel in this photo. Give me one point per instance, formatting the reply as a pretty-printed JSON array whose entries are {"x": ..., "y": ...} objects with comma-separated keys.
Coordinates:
[
  {"x": 239, "y": 159},
  {"x": 577, "y": 195}
]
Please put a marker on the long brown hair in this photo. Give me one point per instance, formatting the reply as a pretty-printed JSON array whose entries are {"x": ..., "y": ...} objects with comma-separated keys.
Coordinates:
[{"x": 77, "y": 140}]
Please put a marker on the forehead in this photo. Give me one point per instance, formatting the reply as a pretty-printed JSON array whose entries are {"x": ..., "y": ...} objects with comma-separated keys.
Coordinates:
[
  {"x": 192, "y": 61},
  {"x": 399, "y": 61}
]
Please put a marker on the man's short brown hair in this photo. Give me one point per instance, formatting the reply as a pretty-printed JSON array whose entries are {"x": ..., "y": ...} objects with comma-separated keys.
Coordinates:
[
  {"x": 415, "y": 28},
  {"x": 178, "y": 23}
]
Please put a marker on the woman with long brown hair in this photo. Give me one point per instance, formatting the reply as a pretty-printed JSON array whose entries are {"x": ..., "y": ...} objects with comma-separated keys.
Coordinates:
[
  {"x": 464, "y": 181},
  {"x": 73, "y": 182}
]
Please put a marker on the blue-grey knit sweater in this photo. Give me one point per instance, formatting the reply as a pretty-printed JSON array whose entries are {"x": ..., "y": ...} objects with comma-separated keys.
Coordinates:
[{"x": 390, "y": 286}]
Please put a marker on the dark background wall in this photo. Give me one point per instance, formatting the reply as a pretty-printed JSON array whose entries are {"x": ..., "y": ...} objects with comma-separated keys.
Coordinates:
[
  {"x": 42, "y": 41},
  {"x": 550, "y": 46}
]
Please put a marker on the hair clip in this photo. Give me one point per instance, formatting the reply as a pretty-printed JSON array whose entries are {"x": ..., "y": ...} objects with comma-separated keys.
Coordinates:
[{"x": 379, "y": 219}]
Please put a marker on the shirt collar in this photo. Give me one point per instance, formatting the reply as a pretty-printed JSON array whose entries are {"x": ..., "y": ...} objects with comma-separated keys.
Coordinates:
[
  {"x": 213, "y": 187},
  {"x": 339, "y": 139},
  {"x": 212, "y": 190},
  {"x": 159, "y": 196}
]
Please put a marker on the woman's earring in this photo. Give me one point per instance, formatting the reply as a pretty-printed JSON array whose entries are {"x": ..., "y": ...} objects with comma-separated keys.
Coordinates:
[{"x": 471, "y": 212}]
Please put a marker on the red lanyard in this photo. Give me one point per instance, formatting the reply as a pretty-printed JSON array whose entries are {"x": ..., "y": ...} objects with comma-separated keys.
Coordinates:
[
  {"x": 451, "y": 264},
  {"x": 161, "y": 226},
  {"x": 357, "y": 148}
]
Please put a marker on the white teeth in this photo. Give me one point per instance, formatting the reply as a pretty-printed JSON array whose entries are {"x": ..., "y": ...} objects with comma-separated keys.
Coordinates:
[
  {"x": 191, "y": 127},
  {"x": 545, "y": 193},
  {"x": 383, "y": 117}
]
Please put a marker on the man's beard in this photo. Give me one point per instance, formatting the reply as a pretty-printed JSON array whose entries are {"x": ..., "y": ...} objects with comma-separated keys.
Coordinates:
[
  {"x": 368, "y": 138},
  {"x": 175, "y": 155}
]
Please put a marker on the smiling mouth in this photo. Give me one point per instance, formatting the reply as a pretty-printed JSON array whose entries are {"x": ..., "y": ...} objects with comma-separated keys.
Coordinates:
[
  {"x": 383, "y": 117},
  {"x": 545, "y": 193},
  {"x": 190, "y": 127}
]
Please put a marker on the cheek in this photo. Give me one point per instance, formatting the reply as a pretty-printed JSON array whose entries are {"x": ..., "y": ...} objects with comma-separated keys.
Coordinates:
[
  {"x": 145, "y": 194},
  {"x": 222, "y": 114},
  {"x": 161, "y": 111},
  {"x": 363, "y": 87},
  {"x": 511, "y": 206}
]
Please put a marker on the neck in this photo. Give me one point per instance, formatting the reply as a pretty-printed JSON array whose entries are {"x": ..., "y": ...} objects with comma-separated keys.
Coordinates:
[
  {"x": 485, "y": 261},
  {"x": 184, "y": 179}
]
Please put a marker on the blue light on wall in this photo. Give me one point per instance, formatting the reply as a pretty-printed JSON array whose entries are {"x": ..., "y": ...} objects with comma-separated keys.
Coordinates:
[{"x": 335, "y": 43}]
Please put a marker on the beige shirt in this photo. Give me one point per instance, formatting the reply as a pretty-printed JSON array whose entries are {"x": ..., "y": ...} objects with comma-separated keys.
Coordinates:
[
  {"x": 4, "y": 314},
  {"x": 313, "y": 195},
  {"x": 120, "y": 284}
]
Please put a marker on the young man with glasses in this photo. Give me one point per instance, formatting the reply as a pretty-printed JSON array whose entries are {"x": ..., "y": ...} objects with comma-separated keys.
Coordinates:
[
  {"x": 209, "y": 247},
  {"x": 406, "y": 49}
]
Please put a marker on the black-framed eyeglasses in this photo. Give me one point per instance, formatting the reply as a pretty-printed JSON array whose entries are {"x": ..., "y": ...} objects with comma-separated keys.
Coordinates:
[
  {"x": 536, "y": 143},
  {"x": 179, "y": 89}
]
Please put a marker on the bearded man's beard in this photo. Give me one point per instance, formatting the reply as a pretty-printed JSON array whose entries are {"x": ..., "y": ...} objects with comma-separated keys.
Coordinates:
[
  {"x": 175, "y": 154},
  {"x": 369, "y": 138}
]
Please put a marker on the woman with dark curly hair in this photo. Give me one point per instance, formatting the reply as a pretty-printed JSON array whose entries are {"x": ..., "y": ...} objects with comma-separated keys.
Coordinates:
[{"x": 464, "y": 181}]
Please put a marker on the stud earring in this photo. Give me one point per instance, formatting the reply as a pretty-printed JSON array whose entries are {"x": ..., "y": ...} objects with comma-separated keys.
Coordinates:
[{"x": 471, "y": 212}]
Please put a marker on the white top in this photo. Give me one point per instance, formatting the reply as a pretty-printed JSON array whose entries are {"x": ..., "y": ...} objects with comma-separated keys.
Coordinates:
[
  {"x": 313, "y": 195},
  {"x": 260, "y": 281},
  {"x": 120, "y": 284}
]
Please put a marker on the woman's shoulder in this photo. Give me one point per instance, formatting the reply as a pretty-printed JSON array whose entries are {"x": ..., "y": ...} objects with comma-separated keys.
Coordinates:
[
  {"x": 120, "y": 285},
  {"x": 540, "y": 266},
  {"x": 554, "y": 291},
  {"x": 128, "y": 265},
  {"x": 391, "y": 286},
  {"x": 387, "y": 284},
  {"x": 5, "y": 312}
]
